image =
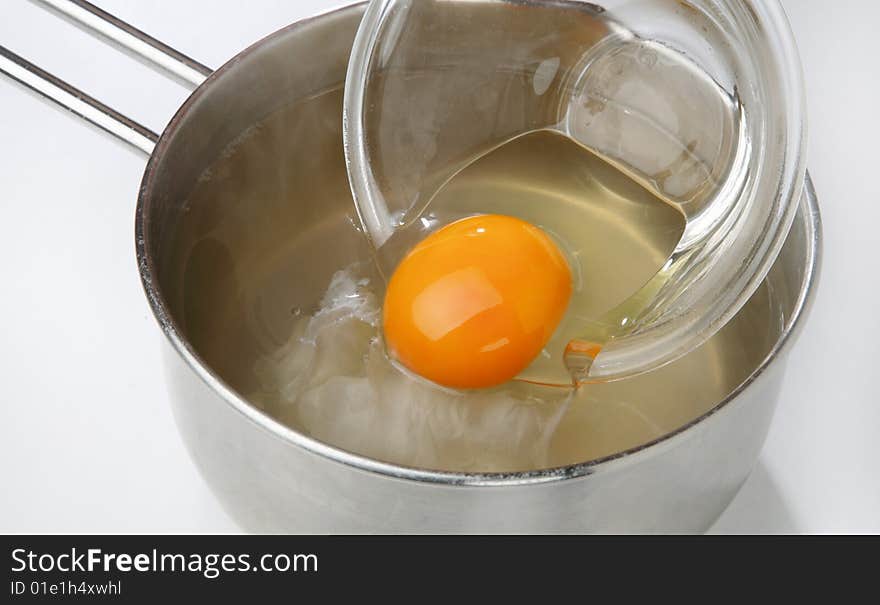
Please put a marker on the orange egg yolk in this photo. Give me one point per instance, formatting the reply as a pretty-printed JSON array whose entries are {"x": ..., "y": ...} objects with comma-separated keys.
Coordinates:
[{"x": 472, "y": 304}]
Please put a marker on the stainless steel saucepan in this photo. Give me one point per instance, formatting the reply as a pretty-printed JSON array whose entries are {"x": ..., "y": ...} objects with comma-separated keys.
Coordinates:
[{"x": 270, "y": 477}]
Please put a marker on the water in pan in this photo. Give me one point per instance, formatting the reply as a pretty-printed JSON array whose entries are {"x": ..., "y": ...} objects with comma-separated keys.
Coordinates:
[{"x": 274, "y": 286}]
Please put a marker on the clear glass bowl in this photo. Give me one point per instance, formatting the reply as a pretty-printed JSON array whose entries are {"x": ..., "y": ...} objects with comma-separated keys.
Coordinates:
[{"x": 699, "y": 102}]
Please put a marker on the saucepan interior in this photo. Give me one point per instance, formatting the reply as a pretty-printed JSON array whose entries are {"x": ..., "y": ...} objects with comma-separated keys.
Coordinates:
[{"x": 228, "y": 271}]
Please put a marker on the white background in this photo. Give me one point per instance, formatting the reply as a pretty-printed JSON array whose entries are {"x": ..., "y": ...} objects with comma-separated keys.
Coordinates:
[{"x": 87, "y": 441}]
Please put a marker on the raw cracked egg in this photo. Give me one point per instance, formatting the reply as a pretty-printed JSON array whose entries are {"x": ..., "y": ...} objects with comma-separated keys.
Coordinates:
[{"x": 473, "y": 304}]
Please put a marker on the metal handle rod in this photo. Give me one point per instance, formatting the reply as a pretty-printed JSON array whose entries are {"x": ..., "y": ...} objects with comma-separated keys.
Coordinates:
[
  {"x": 48, "y": 87},
  {"x": 129, "y": 40},
  {"x": 121, "y": 35}
]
